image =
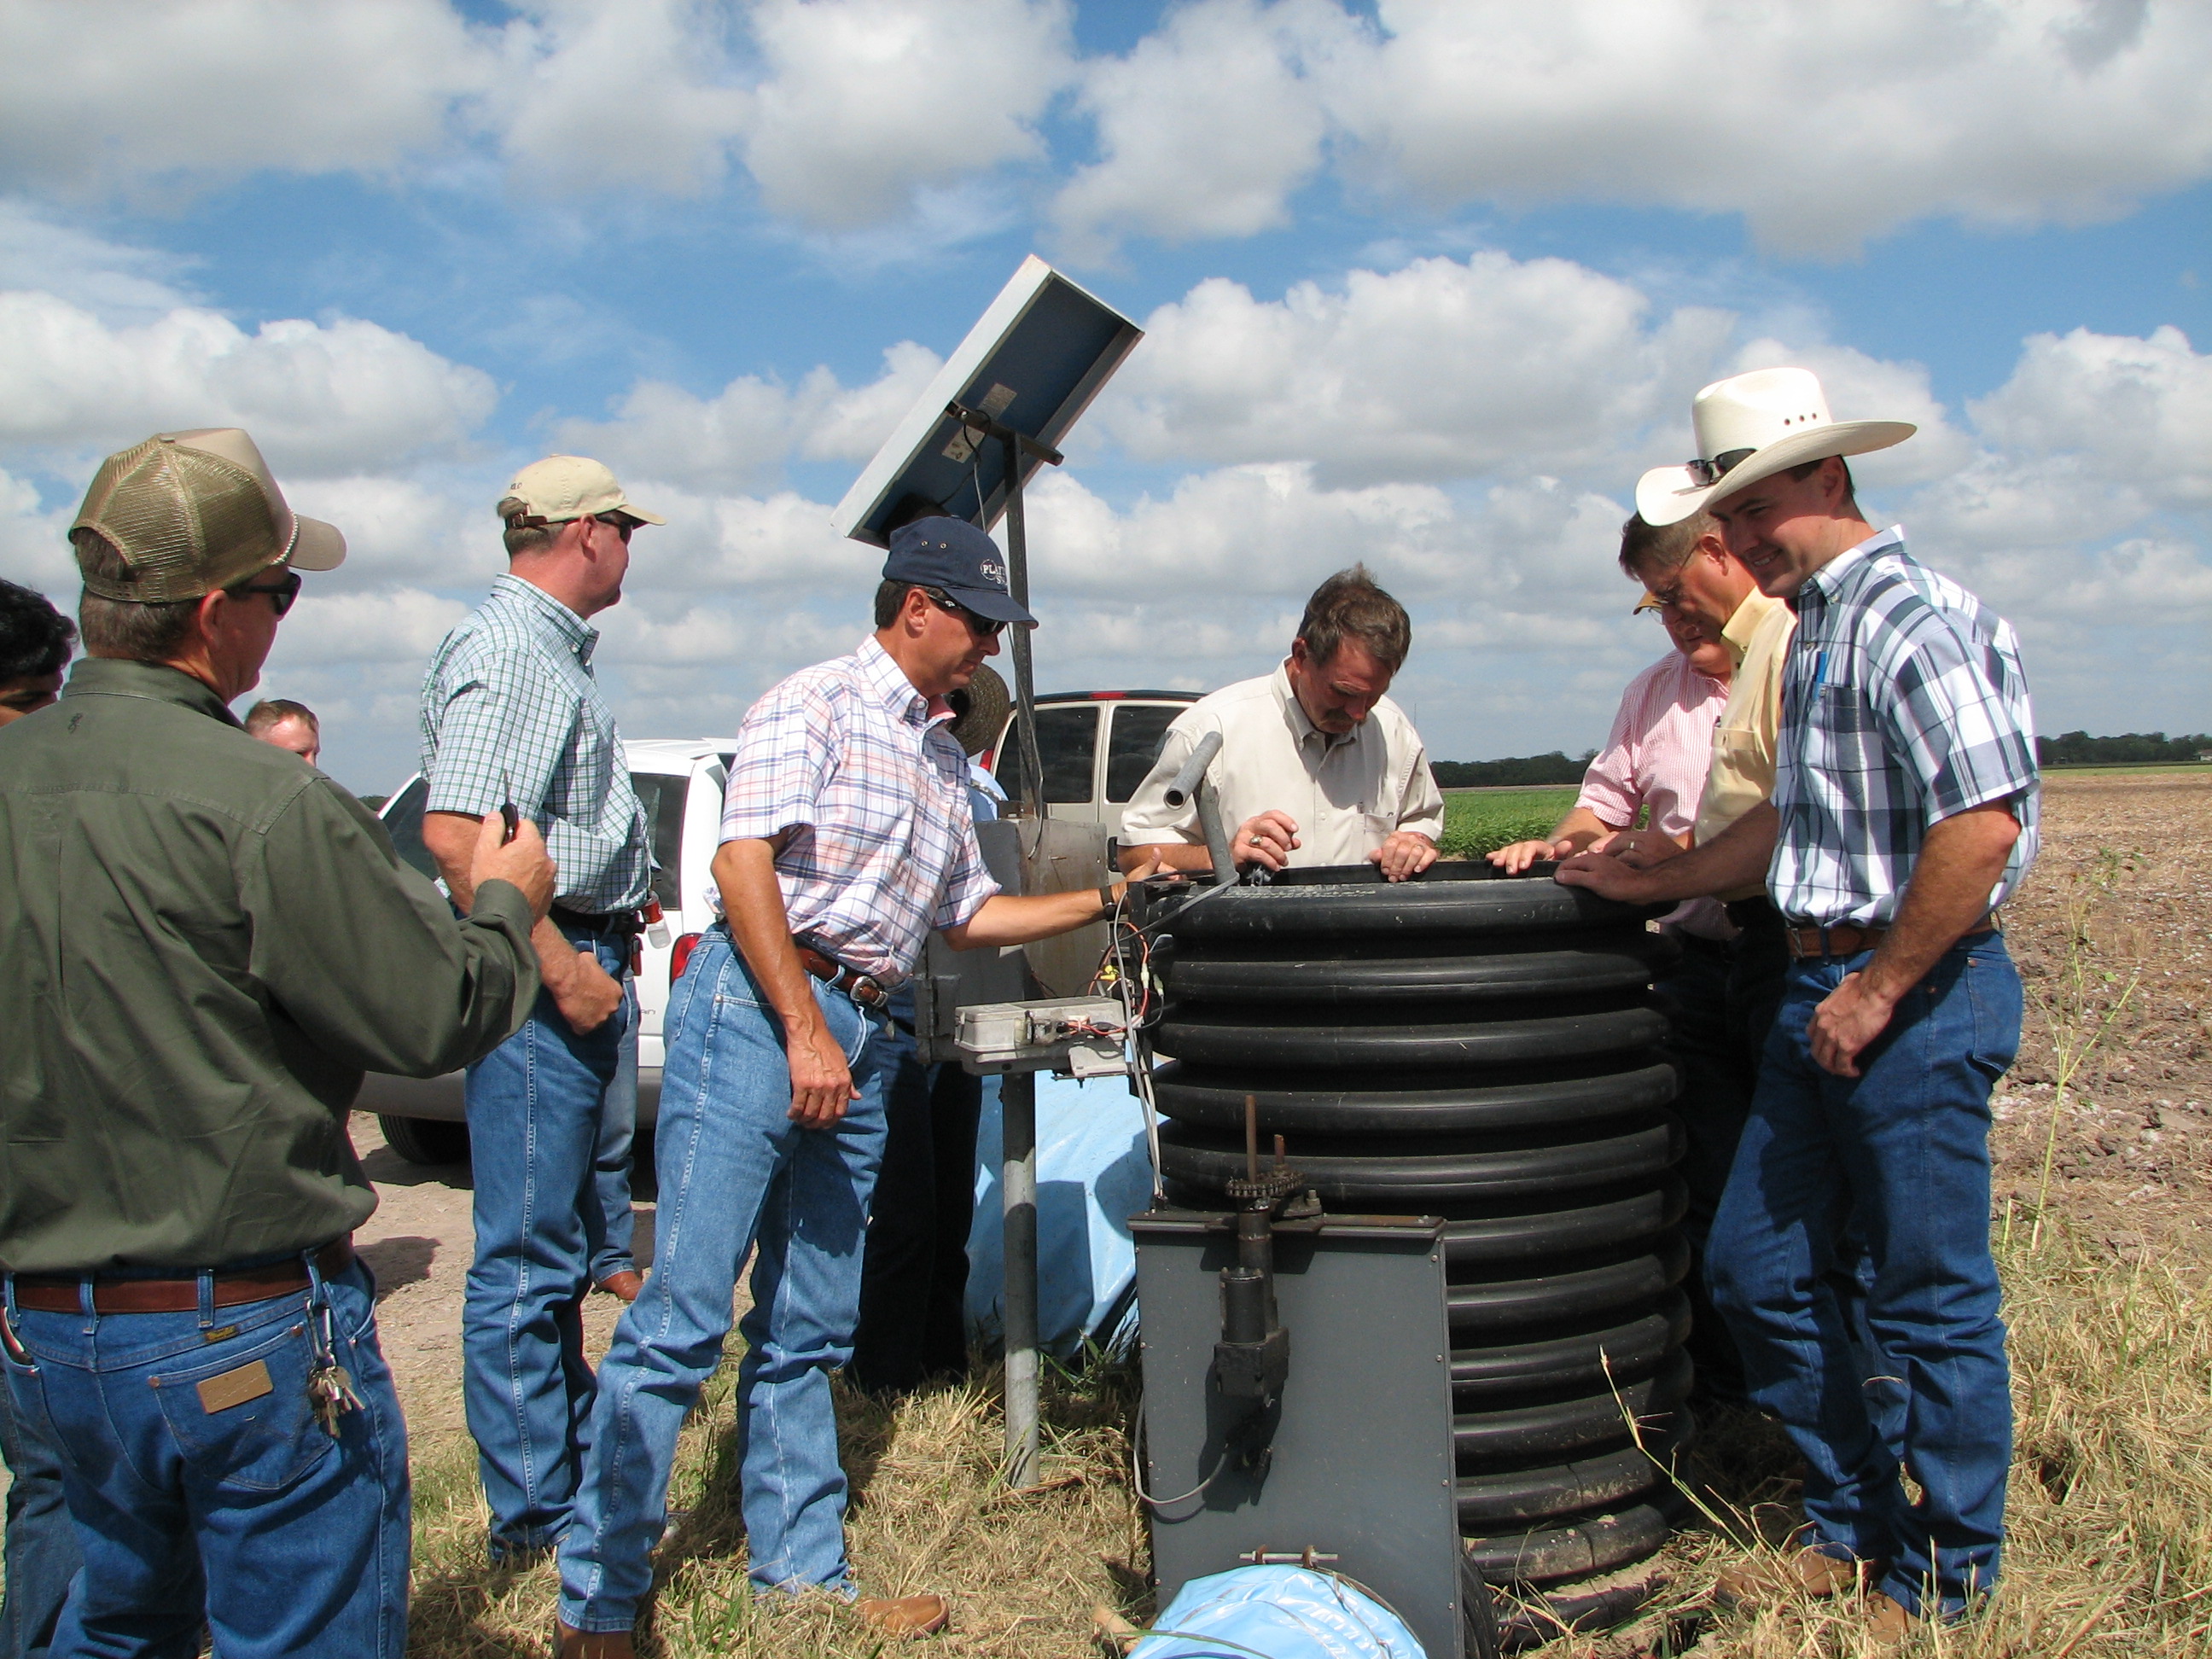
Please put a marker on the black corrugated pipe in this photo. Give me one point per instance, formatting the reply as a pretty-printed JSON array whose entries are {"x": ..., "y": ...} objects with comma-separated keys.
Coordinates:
[{"x": 1486, "y": 1049}]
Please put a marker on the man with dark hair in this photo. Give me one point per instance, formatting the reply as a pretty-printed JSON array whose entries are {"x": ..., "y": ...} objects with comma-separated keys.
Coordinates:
[
  {"x": 34, "y": 645},
  {"x": 1904, "y": 813},
  {"x": 1317, "y": 765},
  {"x": 288, "y": 725},
  {"x": 512, "y": 712},
  {"x": 41, "y": 1553},
  {"x": 847, "y": 838},
  {"x": 209, "y": 944}
]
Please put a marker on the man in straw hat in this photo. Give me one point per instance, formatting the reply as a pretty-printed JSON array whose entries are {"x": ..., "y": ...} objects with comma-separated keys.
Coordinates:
[
  {"x": 209, "y": 942},
  {"x": 1903, "y": 814},
  {"x": 914, "y": 1274},
  {"x": 512, "y": 712},
  {"x": 847, "y": 838}
]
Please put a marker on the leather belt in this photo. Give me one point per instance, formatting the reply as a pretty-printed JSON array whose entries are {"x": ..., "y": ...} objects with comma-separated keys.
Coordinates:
[
  {"x": 618, "y": 924},
  {"x": 62, "y": 1293},
  {"x": 1811, "y": 944},
  {"x": 864, "y": 989}
]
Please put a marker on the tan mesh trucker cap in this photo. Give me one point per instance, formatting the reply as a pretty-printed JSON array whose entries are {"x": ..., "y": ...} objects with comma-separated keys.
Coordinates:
[{"x": 191, "y": 512}]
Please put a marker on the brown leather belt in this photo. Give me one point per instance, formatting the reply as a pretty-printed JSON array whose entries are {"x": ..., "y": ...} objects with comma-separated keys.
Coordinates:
[
  {"x": 868, "y": 991},
  {"x": 1811, "y": 944},
  {"x": 61, "y": 1293}
]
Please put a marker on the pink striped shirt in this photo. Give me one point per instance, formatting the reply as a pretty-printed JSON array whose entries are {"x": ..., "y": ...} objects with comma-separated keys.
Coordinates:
[{"x": 1657, "y": 756}]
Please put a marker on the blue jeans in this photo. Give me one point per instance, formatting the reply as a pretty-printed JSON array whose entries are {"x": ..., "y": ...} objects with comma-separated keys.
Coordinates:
[
  {"x": 1901, "y": 1155},
  {"x": 248, "y": 1517},
  {"x": 610, "y": 1225},
  {"x": 735, "y": 1171},
  {"x": 538, "y": 1106},
  {"x": 42, "y": 1555}
]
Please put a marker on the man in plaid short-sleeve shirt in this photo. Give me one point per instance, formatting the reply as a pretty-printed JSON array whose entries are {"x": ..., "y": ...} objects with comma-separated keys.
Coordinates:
[
  {"x": 846, "y": 839},
  {"x": 511, "y": 711},
  {"x": 1904, "y": 813}
]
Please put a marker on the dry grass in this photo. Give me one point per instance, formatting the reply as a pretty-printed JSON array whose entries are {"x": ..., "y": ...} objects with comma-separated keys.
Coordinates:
[
  {"x": 1025, "y": 1570},
  {"x": 2109, "y": 1512}
]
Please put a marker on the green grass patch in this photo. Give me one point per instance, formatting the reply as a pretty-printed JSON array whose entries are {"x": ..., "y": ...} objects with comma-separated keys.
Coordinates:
[{"x": 1478, "y": 821}]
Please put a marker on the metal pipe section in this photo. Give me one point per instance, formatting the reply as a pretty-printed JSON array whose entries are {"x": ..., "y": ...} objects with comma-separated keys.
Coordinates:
[
  {"x": 1216, "y": 833},
  {"x": 1180, "y": 787},
  {"x": 1017, "y": 1185},
  {"x": 1018, "y": 583}
]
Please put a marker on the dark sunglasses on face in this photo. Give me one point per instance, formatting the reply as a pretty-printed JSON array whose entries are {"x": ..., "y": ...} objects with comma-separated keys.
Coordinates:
[
  {"x": 615, "y": 521},
  {"x": 281, "y": 592},
  {"x": 983, "y": 628}
]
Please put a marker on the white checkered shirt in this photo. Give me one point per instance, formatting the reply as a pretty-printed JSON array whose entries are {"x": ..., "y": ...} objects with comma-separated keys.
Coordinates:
[
  {"x": 1903, "y": 704},
  {"x": 855, "y": 761},
  {"x": 511, "y": 703}
]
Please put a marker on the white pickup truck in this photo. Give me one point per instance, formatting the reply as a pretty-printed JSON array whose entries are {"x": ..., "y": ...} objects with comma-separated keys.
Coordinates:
[{"x": 1095, "y": 748}]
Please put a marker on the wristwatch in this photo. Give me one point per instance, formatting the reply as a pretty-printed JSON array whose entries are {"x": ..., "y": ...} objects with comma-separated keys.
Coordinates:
[{"x": 1108, "y": 900}]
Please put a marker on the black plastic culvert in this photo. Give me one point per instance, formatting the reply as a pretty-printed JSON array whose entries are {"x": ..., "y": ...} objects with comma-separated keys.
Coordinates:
[{"x": 1484, "y": 1048}]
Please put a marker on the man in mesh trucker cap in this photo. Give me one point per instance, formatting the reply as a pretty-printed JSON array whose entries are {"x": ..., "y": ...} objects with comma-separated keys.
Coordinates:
[{"x": 209, "y": 943}]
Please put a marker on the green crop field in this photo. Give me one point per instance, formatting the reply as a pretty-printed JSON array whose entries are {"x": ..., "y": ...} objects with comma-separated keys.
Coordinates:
[{"x": 1478, "y": 821}]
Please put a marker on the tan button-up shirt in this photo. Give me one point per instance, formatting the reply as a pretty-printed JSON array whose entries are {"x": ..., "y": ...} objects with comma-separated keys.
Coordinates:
[
  {"x": 1742, "y": 776},
  {"x": 1346, "y": 792}
]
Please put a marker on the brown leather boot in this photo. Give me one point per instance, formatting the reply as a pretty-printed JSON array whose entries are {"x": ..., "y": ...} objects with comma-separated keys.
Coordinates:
[
  {"x": 1808, "y": 1572},
  {"x": 568, "y": 1642},
  {"x": 909, "y": 1615},
  {"x": 1889, "y": 1626},
  {"x": 623, "y": 1287}
]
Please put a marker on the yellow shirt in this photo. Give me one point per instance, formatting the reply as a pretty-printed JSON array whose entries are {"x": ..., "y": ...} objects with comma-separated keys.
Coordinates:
[{"x": 1743, "y": 774}]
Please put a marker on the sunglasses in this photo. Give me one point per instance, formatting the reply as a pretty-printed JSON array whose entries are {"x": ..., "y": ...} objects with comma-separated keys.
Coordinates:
[
  {"x": 1710, "y": 473},
  {"x": 983, "y": 628},
  {"x": 616, "y": 522},
  {"x": 282, "y": 592}
]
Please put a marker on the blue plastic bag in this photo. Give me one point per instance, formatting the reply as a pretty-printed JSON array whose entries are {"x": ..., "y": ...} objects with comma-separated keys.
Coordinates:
[
  {"x": 1093, "y": 1174},
  {"x": 1276, "y": 1612}
]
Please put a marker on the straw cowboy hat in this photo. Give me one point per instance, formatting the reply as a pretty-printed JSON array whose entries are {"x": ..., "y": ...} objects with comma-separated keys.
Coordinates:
[
  {"x": 979, "y": 710},
  {"x": 1751, "y": 427}
]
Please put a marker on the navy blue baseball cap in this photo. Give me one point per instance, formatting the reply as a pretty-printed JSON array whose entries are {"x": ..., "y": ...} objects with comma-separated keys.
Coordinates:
[{"x": 952, "y": 554}]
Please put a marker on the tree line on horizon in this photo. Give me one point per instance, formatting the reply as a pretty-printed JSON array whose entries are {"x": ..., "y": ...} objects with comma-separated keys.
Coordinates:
[{"x": 2067, "y": 749}]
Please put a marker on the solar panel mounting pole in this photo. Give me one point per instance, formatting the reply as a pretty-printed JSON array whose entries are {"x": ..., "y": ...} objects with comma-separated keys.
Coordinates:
[{"x": 1018, "y": 1090}]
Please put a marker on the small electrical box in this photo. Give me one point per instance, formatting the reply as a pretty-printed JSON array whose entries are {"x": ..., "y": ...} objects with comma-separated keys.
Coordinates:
[{"x": 1080, "y": 1036}]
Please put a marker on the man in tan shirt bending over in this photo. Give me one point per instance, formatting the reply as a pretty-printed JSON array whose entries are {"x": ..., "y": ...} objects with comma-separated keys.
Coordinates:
[{"x": 1318, "y": 766}]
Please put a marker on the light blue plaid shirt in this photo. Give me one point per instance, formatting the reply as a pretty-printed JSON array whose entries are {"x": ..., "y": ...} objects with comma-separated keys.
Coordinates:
[
  {"x": 1903, "y": 704},
  {"x": 863, "y": 771},
  {"x": 511, "y": 704}
]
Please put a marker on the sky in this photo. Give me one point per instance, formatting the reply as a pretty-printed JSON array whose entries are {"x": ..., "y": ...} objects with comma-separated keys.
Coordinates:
[{"x": 1425, "y": 283}]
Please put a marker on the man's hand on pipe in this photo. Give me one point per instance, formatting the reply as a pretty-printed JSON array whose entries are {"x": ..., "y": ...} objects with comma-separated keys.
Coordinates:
[
  {"x": 1639, "y": 849},
  {"x": 1267, "y": 840},
  {"x": 1607, "y": 876},
  {"x": 1406, "y": 852},
  {"x": 1515, "y": 859}
]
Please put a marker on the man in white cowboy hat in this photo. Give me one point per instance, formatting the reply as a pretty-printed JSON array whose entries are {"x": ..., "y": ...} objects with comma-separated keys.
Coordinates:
[
  {"x": 512, "y": 713},
  {"x": 1903, "y": 814}
]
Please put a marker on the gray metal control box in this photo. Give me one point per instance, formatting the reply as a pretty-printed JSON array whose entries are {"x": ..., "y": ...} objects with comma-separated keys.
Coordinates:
[{"x": 1354, "y": 1460}]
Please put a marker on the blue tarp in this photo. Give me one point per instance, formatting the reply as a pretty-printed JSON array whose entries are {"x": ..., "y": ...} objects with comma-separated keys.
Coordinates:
[
  {"x": 1276, "y": 1612},
  {"x": 1092, "y": 1175}
]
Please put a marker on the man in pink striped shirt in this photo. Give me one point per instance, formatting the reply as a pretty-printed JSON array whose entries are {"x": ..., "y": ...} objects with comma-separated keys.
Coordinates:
[{"x": 1658, "y": 756}]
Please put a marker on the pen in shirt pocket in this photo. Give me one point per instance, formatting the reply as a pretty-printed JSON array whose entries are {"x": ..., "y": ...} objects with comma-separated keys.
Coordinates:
[{"x": 1820, "y": 671}]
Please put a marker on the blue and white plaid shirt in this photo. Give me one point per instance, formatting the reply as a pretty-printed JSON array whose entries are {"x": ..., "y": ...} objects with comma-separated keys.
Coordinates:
[
  {"x": 511, "y": 703},
  {"x": 855, "y": 761},
  {"x": 1903, "y": 704}
]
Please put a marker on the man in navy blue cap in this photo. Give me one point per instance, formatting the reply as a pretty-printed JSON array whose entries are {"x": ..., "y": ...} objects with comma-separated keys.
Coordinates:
[{"x": 847, "y": 838}]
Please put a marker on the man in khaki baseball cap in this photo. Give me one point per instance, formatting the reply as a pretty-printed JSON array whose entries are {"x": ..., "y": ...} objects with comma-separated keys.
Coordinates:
[{"x": 560, "y": 488}]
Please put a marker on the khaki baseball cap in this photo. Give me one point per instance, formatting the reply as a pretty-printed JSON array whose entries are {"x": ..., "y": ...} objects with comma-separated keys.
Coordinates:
[
  {"x": 564, "y": 487},
  {"x": 191, "y": 512}
]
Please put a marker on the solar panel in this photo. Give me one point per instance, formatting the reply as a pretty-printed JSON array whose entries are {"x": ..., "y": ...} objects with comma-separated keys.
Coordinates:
[{"x": 1032, "y": 363}]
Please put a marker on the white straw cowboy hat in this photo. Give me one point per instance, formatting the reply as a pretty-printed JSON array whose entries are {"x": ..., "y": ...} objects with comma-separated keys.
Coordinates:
[{"x": 1751, "y": 427}]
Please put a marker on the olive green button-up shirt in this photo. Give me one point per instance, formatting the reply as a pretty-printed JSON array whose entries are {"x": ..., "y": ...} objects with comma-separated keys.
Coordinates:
[{"x": 207, "y": 942}]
